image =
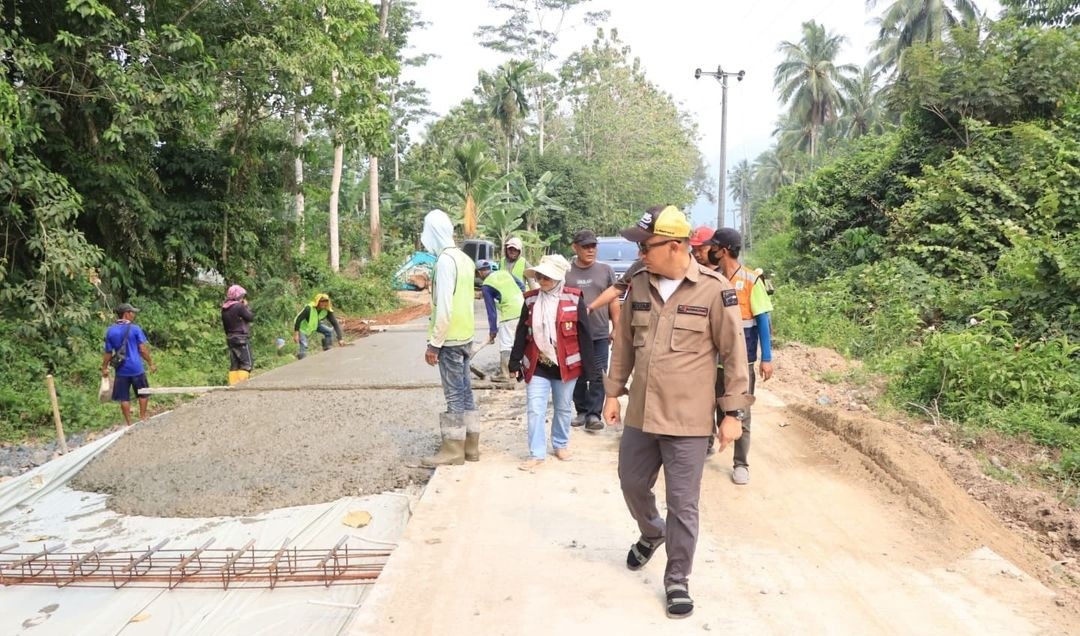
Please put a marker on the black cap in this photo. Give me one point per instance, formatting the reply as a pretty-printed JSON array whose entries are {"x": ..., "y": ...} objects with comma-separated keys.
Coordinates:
[
  {"x": 726, "y": 237},
  {"x": 123, "y": 308},
  {"x": 585, "y": 237}
]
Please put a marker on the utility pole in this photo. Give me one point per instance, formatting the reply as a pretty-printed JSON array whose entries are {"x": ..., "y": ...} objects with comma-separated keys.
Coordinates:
[{"x": 721, "y": 76}]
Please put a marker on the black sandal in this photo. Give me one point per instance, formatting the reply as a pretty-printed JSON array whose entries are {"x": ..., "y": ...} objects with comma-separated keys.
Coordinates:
[
  {"x": 641, "y": 552},
  {"x": 679, "y": 603}
]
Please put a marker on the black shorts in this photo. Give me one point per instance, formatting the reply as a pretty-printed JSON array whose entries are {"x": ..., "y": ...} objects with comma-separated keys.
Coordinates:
[
  {"x": 239, "y": 355},
  {"x": 122, "y": 385}
]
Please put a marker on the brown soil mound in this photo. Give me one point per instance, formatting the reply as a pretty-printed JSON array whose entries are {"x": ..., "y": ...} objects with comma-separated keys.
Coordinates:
[{"x": 939, "y": 474}]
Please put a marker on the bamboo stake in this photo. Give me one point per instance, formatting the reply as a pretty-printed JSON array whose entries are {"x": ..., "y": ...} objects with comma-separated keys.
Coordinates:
[{"x": 56, "y": 414}]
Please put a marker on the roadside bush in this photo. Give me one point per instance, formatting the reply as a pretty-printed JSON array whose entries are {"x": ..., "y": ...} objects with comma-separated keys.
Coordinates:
[{"x": 985, "y": 365}]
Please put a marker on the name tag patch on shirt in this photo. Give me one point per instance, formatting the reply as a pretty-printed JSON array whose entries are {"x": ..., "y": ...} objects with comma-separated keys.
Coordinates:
[
  {"x": 730, "y": 297},
  {"x": 641, "y": 306},
  {"x": 693, "y": 310}
]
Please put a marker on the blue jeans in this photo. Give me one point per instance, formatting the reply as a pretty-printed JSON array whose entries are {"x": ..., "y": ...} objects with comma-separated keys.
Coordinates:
[
  {"x": 456, "y": 383},
  {"x": 536, "y": 393},
  {"x": 327, "y": 340},
  {"x": 589, "y": 396}
]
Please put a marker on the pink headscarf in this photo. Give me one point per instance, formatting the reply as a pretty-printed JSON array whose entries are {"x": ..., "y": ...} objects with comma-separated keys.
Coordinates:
[{"x": 234, "y": 295}]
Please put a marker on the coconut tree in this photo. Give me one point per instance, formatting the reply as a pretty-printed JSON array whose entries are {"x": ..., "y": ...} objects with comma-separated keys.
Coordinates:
[
  {"x": 740, "y": 182},
  {"x": 471, "y": 165},
  {"x": 506, "y": 97},
  {"x": 862, "y": 113},
  {"x": 810, "y": 81},
  {"x": 774, "y": 169},
  {"x": 907, "y": 22}
]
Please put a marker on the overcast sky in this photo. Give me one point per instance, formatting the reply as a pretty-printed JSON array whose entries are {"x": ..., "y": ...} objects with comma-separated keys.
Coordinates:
[{"x": 672, "y": 38}]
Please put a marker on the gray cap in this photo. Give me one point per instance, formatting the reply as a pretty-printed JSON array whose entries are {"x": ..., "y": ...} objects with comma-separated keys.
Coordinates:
[
  {"x": 123, "y": 308},
  {"x": 585, "y": 237}
]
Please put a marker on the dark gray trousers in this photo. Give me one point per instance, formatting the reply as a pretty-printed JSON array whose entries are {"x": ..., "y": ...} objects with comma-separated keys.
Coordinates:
[
  {"x": 640, "y": 457},
  {"x": 742, "y": 445}
]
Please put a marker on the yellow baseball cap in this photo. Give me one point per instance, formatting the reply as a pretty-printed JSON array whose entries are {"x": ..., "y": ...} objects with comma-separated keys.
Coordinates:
[{"x": 660, "y": 220}]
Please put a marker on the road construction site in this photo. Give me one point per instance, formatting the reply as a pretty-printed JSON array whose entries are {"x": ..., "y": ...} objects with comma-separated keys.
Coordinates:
[{"x": 849, "y": 525}]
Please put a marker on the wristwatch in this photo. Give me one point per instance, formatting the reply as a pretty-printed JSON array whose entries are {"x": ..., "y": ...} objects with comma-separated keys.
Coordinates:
[{"x": 738, "y": 414}]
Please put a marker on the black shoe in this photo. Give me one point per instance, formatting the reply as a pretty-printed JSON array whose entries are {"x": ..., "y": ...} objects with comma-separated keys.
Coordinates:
[
  {"x": 579, "y": 420},
  {"x": 593, "y": 423}
]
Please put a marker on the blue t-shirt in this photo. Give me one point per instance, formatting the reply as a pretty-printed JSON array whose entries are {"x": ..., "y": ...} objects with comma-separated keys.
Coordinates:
[{"x": 114, "y": 335}]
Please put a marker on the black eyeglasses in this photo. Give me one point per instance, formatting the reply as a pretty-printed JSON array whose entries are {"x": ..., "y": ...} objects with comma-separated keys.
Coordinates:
[{"x": 645, "y": 247}]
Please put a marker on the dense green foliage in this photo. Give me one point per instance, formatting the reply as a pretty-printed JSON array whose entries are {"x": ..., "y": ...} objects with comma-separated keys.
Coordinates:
[
  {"x": 945, "y": 250},
  {"x": 143, "y": 146}
]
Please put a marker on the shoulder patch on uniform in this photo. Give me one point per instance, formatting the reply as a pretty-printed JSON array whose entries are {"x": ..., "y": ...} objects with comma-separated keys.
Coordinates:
[
  {"x": 731, "y": 298},
  {"x": 640, "y": 306}
]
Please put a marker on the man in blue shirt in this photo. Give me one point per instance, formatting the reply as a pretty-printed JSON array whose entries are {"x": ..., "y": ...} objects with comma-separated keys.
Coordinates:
[{"x": 126, "y": 343}]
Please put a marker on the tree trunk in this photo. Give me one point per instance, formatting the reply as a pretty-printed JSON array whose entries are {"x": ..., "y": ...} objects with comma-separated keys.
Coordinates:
[
  {"x": 373, "y": 207},
  {"x": 335, "y": 191},
  {"x": 540, "y": 114},
  {"x": 469, "y": 222},
  {"x": 373, "y": 162},
  {"x": 508, "y": 164},
  {"x": 397, "y": 165},
  {"x": 298, "y": 167}
]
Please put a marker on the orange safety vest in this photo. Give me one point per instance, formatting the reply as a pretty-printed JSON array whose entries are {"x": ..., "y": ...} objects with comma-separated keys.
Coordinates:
[
  {"x": 566, "y": 339},
  {"x": 744, "y": 282}
]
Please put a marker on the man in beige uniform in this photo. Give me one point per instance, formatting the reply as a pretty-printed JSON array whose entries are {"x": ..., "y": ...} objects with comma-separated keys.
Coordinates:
[{"x": 677, "y": 320}]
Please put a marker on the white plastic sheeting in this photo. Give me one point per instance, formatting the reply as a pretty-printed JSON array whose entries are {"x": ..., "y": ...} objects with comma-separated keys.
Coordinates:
[{"x": 38, "y": 508}]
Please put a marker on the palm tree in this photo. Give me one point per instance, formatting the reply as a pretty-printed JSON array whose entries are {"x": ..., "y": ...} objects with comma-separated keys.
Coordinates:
[
  {"x": 740, "y": 181},
  {"x": 862, "y": 112},
  {"x": 471, "y": 165},
  {"x": 907, "y": 22},
  {"x": 792, "y": 134},
  {"x": 774, "y": 169},
  {"x": 810, "y": 81},
  {"x": 506, "y": 97}
]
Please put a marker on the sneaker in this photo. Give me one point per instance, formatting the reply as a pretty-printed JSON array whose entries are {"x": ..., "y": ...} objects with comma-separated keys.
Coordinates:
[
  {"x": 593, "y": 423},
  {"x": 741, "y": 475},
  {"x": 579, "y": 420}
]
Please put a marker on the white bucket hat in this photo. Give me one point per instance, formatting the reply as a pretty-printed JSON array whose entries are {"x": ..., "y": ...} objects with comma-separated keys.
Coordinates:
[
  {"x": 553, "y": 266},
  {"x": 513, "y": 242}
]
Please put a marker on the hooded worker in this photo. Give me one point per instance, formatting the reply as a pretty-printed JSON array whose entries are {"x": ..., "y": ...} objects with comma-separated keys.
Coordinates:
[
  {"x": 449, "y": 345},
  {"x": 310, "y": 319},
  {"x": 236, "y": 319}
]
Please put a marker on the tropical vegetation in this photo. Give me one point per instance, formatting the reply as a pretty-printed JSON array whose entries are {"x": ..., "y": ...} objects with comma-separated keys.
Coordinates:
[{"x": 933, "y": 230}]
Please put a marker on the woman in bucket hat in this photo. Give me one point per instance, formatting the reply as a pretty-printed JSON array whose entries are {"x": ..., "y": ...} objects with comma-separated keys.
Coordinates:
[{"x": 552, "y": 349}]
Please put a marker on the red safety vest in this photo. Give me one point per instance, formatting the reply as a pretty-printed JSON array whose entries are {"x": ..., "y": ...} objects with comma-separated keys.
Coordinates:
[{"x": 566, "y": 339}]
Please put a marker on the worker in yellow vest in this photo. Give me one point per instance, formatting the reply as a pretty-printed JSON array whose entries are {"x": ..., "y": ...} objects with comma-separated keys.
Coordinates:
[
  {"x": 450, "y": 336},
  {"x": 503, "y": 299},
  {"x": 515, "y": 263},
  {"x": 310, "y": 320}
]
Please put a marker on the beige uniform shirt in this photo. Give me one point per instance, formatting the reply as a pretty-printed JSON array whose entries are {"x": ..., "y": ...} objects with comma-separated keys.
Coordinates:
[{"x": 672, "y": 349}]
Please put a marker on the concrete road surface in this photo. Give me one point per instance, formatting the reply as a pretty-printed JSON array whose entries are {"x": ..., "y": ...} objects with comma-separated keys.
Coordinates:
[{"x": 814, "y": 545}]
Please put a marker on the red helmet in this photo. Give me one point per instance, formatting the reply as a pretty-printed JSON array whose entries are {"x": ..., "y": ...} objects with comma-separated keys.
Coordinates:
[{"x": 701, "y": 236}]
